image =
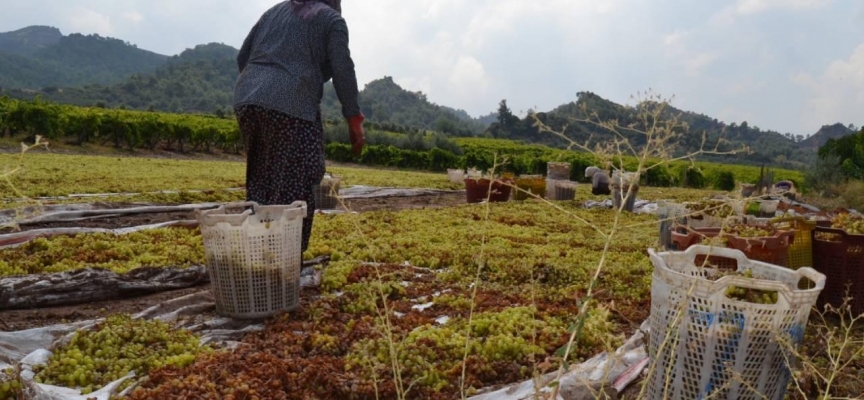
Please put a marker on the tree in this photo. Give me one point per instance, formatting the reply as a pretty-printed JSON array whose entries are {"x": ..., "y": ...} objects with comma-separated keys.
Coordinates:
[{"x": 506, "y": 119}]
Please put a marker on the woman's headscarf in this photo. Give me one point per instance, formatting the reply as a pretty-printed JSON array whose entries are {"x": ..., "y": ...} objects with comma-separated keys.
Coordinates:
[{"x": 307, "y": 9}]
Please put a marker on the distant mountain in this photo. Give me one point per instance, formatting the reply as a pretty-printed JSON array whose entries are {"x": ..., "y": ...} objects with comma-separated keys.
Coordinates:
[
  {"x": 767, "y": 147},
  {"x": 29, "y": 40},
  {"x": 835, "y": 131},
  {"x": 37, "y": 57},
  {"x": 384, "y": 101},
  {"x": 488, "y": 119},
  {"x": 197, "y": 80}
]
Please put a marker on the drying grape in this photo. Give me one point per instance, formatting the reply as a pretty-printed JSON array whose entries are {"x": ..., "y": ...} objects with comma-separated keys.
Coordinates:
[
  {"x": 11, "y": 385},
  {"x": 94, "y": 358}
]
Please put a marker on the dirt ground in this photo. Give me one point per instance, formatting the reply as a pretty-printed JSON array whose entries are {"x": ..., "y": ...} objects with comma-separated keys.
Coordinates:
[{"x": 25, "y": 319}]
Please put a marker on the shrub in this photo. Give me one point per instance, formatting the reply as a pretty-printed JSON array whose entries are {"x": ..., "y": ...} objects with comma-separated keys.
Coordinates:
[
  {"x": 725, "y": 181},
  {"x": 659, "y": 176},
  {"x": 692, "y": 178}
]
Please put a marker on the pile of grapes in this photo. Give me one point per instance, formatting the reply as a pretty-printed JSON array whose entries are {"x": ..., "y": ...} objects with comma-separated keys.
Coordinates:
[
  {"x": 751, "y": 231},
  {"x": 751, "y": 295},
  {"x": 115, "y": 347},
  {"x": 852, "y": 224},
  {"x": 11, "y": 386},
  {"x": 711, "y": 208}
]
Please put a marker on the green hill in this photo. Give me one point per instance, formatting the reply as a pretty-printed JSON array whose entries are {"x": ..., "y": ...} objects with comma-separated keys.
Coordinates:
[
  {"x": 384, "y": 101},
  {"x": 28, "y": 40},
  {"x": 769, "y": 147},
  {"x": 197, "y": 80},
  {"x": 41, "y": 57}
]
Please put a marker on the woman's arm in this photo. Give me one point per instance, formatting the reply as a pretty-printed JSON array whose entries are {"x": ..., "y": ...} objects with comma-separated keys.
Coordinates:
[
  {"x": 246, "y": 50},
  {"x": 342, "y": 67}
]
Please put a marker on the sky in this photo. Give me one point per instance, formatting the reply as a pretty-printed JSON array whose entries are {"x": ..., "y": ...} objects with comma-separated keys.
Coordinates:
[{"x": 784, "y": 65}]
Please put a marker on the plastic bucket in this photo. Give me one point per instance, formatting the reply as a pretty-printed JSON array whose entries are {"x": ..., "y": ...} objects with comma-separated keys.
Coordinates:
[
  {"x": 254, "y": 257},
  {"x": 700, "y": 335}
]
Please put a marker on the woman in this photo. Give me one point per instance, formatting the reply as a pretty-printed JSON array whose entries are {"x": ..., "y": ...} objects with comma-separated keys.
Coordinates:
[
  {"x": 599, "y": 181},
  {"x": 294, "y": 48}
]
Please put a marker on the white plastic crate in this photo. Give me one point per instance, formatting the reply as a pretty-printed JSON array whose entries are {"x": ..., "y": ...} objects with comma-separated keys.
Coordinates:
[
  {"x": 715, "y": 334},
  {"x": 558, "y": 171},
  {"x": 560, "y": 190},
  {"x": 254, "y": 257},
  {"x": 456, "y": 175}
]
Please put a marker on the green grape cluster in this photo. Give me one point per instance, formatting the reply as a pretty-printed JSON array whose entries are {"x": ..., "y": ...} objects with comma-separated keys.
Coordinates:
[
  {"x": 175, "y": 247},
  {"x": 119, "y": 345},
  {"x": 716, "y": 241},
  {"x": 711, "y": 208},
  {"x": 852, "y": 224},
  {"x": 751, "y": 295},
  {"x": 11, "y": 386},
  {"x": 751, "y": 231}
]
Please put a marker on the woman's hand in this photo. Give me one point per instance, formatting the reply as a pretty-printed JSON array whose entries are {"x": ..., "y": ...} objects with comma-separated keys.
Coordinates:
[{"x": 358, "y": 135}]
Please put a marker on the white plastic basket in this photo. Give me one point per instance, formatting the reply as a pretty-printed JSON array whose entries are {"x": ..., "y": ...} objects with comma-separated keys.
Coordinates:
[
  {"x": 715, "y": 335},
  {"x": 456, "y": 175},
  {"x": 560, "y": 190},
  {"x": 254, "y": 257},
  {"x": 669, "y": 213},
  {"x": 558, "y": 171}
]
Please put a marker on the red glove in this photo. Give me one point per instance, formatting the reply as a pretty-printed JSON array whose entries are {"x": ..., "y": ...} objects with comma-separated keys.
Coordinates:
[{"x": 358, "y": 135}]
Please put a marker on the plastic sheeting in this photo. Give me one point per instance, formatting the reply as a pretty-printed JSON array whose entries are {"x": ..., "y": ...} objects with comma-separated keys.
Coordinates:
[
  {"x": 90, "y": 285},
  {"x": 122, "y": 194},
  {"x": 639, "y": 207},
  {"x": 193, "y": 312},
  {"x": 602, "y": 372},
  {"x": 19, "y": 238}
]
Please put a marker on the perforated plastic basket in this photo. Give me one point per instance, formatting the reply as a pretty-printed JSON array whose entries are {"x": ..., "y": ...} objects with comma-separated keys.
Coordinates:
[
  {"x": 700, "y": 336},
  {"x": 668, "y": 214},
  {"x": 773, "y": 249},
  {"x": 558, "y": 171},
  {"x": 456, "y": 175},
  {"x": 560, "y": 190},
  {"x": 619, "y": 193},
  {"x": 529, "y": 184},
  {"x": 254, "y": 257},
  {"x": 840, "y": 255},
  {"x": 801, "y": 248}
]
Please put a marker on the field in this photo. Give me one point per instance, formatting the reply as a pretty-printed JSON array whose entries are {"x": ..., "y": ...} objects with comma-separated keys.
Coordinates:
[{"x": 526, "y": 265}]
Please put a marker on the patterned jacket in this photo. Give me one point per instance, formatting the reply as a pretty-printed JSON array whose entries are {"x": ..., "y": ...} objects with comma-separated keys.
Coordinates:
[{"x": 285, "y": 61}]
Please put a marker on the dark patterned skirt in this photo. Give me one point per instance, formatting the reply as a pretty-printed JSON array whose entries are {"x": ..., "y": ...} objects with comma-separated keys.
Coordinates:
[{"x": 285, "y": 159}]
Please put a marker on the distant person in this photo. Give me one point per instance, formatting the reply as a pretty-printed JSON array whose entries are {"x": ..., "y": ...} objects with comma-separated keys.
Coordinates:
[
  {"x": 599, "y": 181},
  {"x": 296, "y": 47}
]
